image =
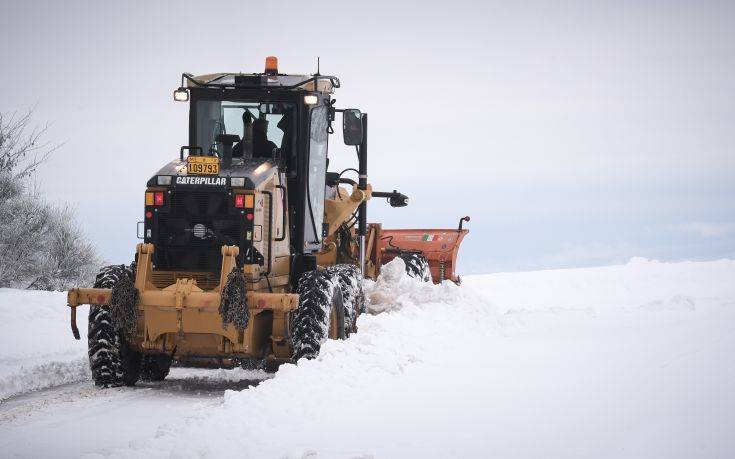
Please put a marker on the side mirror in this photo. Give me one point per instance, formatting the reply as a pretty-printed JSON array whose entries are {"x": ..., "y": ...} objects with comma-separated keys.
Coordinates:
[{"x": 352, "y": 126}]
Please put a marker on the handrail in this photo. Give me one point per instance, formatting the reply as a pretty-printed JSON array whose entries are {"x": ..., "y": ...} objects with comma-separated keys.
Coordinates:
[
  {"x": 270, "y": 231},
  {"x": 283, "y": 205}
]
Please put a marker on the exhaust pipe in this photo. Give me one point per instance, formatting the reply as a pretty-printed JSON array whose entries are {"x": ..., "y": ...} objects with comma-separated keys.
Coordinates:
[{"x": 227, "y": 140}]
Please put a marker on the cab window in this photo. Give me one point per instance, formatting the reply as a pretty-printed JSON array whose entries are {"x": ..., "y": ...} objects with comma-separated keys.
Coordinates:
[
  {"x": 317, "y": 174},
  {"x": 257, "y": 125}
]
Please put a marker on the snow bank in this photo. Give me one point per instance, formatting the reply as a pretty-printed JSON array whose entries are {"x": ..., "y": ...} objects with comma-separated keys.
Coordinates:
[
  {"x": 623, "y": 361},
  {"x": 394, "y": 290},
  {"x": 639, "y": 284},
  {"x": 38, "y": 349}
]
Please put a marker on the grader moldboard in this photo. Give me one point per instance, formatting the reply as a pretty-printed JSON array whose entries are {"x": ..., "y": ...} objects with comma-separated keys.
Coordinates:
[{"x": 252, "y": 254}]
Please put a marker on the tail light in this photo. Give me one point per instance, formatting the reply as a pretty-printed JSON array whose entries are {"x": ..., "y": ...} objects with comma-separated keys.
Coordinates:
[
  {"x": 244, "y": 201},
  {"x": 154, "y": 198}
]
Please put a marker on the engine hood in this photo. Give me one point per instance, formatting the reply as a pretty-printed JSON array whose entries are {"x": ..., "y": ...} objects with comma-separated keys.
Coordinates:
[{"x": 254, "y": 170}]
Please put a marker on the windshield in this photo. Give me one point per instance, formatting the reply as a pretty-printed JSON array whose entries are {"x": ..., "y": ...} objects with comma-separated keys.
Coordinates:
[{"x": 255, "y": 129}]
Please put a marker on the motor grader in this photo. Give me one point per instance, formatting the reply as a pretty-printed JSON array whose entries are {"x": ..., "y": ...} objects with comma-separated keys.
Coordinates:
[{"x": 252, "y": 252}]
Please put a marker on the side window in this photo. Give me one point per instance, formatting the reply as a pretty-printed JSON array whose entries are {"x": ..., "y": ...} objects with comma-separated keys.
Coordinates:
[{"x": 317, "y": 175}]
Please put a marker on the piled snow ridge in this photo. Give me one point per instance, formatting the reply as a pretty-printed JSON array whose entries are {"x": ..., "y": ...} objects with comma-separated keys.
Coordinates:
[
  {"x": 298, "y": 412},
  {"x": 43, "y": 376},
  {"x": 395, "y": 290},
  {"x": 621, "y": 361},
  {"x": 38, "y": 349}
]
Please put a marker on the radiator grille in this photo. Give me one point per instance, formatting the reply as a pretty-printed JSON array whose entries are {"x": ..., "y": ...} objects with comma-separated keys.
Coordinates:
[{"x": 177, "y": 247}]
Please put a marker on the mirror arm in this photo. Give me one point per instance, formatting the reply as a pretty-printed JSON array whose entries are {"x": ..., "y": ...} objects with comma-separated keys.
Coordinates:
[{"x": 330, "y": 115}]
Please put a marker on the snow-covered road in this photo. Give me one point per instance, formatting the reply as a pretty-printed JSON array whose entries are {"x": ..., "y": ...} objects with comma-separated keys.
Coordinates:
[
  {"x": 74, "y": 419},
  {"x": 622, "y": 361}
]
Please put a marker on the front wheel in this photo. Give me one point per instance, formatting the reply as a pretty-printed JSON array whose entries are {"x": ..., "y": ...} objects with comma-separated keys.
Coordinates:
[{"x": 417, "y": 266}]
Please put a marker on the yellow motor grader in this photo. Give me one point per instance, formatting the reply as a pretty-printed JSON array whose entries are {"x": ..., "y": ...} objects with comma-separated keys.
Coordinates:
[{"x": 251, "y": 253}]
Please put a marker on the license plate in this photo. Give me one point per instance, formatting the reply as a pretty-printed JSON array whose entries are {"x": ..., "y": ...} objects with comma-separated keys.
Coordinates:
[{"x": 205, "y": 165}]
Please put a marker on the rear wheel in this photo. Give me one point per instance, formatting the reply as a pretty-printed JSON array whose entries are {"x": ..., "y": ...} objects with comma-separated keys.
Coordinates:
[
  {"x": 349, "y": 278},
  {"x": 155, "y": 367},
  {"x": 417, "y": 266},
  {"x": 131, "y": 363},
  {"x": 112, "y": 361},
  {"x": 320, "y": 313}
]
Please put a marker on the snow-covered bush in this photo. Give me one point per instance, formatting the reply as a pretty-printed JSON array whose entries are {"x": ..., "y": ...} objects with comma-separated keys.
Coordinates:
[{"x": 41, "y": 246}]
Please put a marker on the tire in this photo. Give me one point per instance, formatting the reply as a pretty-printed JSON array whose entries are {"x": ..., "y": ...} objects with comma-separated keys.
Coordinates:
[
  {"x": 131, "y": 364},
  {"x": 155, "y": 367},
  {"x": 349, "y": 279},
  {"x": 271, "y": 366},
  {"x": 417, "y": 266},
  {"x": 319, "y": 294},
  {"x": 111, "y": 360}
]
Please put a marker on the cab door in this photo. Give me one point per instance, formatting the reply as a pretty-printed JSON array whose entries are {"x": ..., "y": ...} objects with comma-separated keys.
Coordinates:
[{"x": 317, "y": 169}]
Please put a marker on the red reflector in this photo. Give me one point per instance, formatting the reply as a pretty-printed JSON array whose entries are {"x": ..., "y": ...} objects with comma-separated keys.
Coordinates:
[
  {"x": 149, "y": 214},
  {"x": 240, "y": 201},
  {"x": 249, "y": 216},
  {"x": 158, "y": 198}
]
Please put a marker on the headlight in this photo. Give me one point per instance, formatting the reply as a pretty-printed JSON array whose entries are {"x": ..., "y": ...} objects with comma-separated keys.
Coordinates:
[
  {"x": 181, "y": 95},
  {"x": 237, "y": 181},
  {"x": 310, "y": 99},
  {"x": 164, "y": 180}
]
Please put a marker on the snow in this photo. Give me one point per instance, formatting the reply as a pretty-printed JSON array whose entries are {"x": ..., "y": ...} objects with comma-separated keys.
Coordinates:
[
  {"x": 622, "y": 361},
  {"x": 37, "y": 347}
]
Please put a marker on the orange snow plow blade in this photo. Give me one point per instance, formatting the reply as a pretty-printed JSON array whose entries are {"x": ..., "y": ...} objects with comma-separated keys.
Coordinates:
[{"x": 439, "y": 246}]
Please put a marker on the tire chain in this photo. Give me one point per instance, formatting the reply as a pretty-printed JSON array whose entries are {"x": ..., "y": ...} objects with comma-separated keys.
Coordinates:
[
  {"x": 123, "y": 306},
  {"x": 233, "y": 305}
]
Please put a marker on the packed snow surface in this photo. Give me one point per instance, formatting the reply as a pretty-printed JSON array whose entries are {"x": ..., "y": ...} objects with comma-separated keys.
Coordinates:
[{"x": 623, "y": 361}]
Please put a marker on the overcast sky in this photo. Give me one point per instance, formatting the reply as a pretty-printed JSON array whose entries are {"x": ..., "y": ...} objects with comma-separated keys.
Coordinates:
[{"x": 574, "y": 134}]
